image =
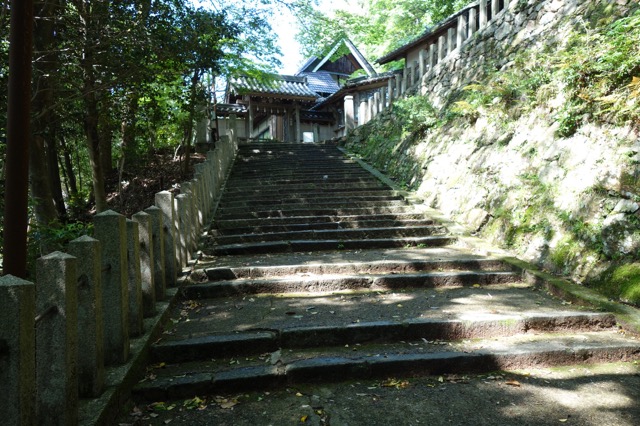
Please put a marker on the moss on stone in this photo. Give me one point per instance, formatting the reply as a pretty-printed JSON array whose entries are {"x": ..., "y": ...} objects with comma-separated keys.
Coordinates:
[{"x": 623, "y": 283}]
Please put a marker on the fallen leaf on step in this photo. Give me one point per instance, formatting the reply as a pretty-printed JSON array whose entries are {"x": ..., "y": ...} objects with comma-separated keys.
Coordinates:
[
  {"x": 513, "y": 383},
  {"x": 226, "y": 403},
  {"x": 303, "y": 419}
]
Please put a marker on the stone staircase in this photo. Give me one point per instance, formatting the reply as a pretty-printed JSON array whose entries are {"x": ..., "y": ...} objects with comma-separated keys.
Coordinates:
[{"x": 314, "y": 270}]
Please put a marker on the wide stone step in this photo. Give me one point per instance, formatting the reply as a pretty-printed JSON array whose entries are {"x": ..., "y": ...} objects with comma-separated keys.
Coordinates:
[
  {"x": 321, "y": 204},
  {"x": 321, "y": 226},
  {"x": 296, "y": 199},
  {"x": 306, "y": 183},
  {"x": 333, "y": 234},
  {"x": 354, "y": 220},
  {"x": 217, "y": 273},
  {"x": 329, "y": 283},
  {"x": 289, "y": 367},
  {"x": 256, "y": 342},
  {"x": 279, "y": 193},
  {"x": 294, "y": 170},
  {"x": 317, "y": 211},
  {"x": 317, "y": 245}
]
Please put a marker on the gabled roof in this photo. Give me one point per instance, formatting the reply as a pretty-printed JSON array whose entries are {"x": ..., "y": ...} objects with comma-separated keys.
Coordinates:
[
  {"x": 314, "y": 64},
  {"x": 429, "y": 32},
  {"x": 285, "y": 86},
  {"x": 321, "y": 82}
]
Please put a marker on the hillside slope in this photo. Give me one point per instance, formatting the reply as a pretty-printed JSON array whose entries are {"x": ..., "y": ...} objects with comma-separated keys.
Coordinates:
[{"x": 535, "y": 143}]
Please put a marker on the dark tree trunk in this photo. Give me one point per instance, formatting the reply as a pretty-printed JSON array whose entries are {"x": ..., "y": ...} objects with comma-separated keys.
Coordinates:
[
  {"x": 40, "y": 174},
  {"x": 18, "y": 127}
]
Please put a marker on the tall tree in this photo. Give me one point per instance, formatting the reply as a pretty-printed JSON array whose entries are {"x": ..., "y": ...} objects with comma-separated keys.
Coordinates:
[{"x": 18, "y": 116}]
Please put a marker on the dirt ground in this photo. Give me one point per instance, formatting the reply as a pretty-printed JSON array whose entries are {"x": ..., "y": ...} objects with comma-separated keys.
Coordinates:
[{"x": 578, "y": 395}]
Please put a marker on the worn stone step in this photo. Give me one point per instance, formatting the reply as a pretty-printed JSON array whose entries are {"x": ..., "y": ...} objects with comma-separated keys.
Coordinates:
[
  {"x": 316, "y": 211},
  {"x": 251, "y": 171},
  {"x": 332, "y": 234},
  {"x": 320, "y": 226},
  {"x": 292, "y": 199},
  {"x": 255, "y": 342},
  {"x": 306, "y": 183},
  {"x": 221, "y": 223},
  {"x": 217, "y": 273},
  {"x": 317, "y": 245},
  {"x": 290, "y": 367},
  {"x": 340, "y": 282},
  {"x": 277, "y": 194},
  {"x": 320, "y": 204}
]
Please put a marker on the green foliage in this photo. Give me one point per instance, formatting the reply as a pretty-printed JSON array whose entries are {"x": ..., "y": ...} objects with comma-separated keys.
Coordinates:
[
  {"x": 601, "y": 71},
  {"x": 55, "y": 237},
  {"x": 415, "y": 114}
]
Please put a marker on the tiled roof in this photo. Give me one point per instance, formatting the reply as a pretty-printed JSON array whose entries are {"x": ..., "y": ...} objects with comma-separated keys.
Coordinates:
[
  {"x": 278, "y": 85},
  {"x": 321, "y": 82},
  {"x": 224, "y": 109}
]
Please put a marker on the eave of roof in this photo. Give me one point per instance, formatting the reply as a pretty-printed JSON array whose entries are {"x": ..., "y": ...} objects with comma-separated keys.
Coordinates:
[
  {"x": 400, "y": 52},
  {"x": 282, "y": 86},
  {"x": 355, "y": 83}
]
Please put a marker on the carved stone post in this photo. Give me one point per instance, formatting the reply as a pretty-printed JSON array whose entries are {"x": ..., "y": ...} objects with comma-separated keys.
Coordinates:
[
  {"x": 483, "y": 14},
  {"x": 57, "y": 339},
  {"x": 462, "y": 30},
  {"x": 18, "y": 348},
  {"x": 349, "y": 114},
  {"x": 91, "y": 373},
  {"x": 110, "y": 228},
  {"x": 451, "y": 40},
  {"x": 473, "y": 26}
]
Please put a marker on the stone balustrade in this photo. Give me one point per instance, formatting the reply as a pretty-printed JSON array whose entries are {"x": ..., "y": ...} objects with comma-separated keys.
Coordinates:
[
  {"x": 61, "y": 335},
  {"x": 439, "y": 46}
]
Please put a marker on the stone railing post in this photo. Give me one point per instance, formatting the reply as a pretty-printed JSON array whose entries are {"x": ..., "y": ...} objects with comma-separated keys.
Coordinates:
[
  {"x": 398, "y": 90},
  {"x": 405, "y": 80},
  {"x": 383, "y": 98},
  {"x": 159, "y": 260},
  {"x": 473, "y": 27},
  {"x": 147, "y": 263},
  {"x": 362, "y": 111},
  {"x": 110, "y": 228},
  {"x": 495, "y": 8},
  {"x": 57, "y": 339},
  {"x": 461, "y": 33},
  {"x": 196, "y": 187},
  {"x": 136, "y": 323},
  {"x": 17, "y": 351},
  {"x": 376, "y": 104},
  {"x": 433, "y": 57},
  {"x": 183, "y": 240},
  {"x": 483, "y": 14},
  {"x": 91, "y": 372},
  {"x": 164, "y": 201},
  {"x": 451, "y": 40},
  {"x": 349, "y": 114},
  {"x": 213, "y": 180},
  {"x": 205, "y": 203},
  {"x": 423, "y": 63},
  {"x": 442, "y": 51},
  {"x": 390, "y": 90}
]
